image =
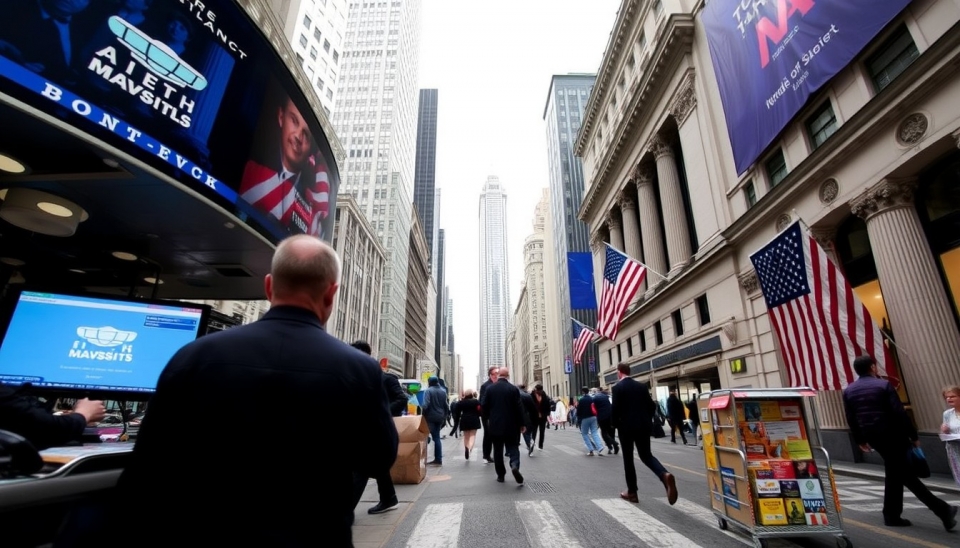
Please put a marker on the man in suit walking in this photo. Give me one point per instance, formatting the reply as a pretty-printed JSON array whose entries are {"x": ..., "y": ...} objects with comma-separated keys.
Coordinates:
[
  {"x": 506, "y": 421},
  {"x": 487, "y": 443},
  {"x": 239, "y": 482},
  {"x": 877, "y": 420},
  {"x": 632, "y": 416}
]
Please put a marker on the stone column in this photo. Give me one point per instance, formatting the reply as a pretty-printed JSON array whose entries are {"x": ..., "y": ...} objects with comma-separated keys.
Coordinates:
[
  {"x": 616, "y": 230},
  {"x": 654, "y": 256},
  {"x": 674, "y": 216},
  {"x": 920, "y": 312},
  {"x": 631, "y": 234}
]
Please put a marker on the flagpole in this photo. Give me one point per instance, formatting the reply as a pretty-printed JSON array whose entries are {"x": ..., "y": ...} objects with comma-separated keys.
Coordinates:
[{"x": 637, "y": 261}]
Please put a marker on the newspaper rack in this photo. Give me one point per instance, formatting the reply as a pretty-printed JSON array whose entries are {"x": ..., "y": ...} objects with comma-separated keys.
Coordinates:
[{"x": 766, "y": 469}]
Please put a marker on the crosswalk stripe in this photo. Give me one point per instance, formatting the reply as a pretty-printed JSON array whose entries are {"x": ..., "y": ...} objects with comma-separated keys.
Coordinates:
[
  {"x": 706, "y": 515},
  {"x": 439, "y": 527},
  {"x": 544, "y": 526},
  {"x": 644, "y": 526}
]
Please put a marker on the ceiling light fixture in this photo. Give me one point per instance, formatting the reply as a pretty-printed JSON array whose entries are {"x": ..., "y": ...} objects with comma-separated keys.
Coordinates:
[
  {"x": 153, "y": 281},
  {"x": 229, "y": 224},
  {"x": 12, "y": 165},
  {"x": 111, "y": 163},
  {"x": 12, "y": 261},
  {"x": 41, "y": 212},
  {"x": 124, "y": 256},
  {"x": 78, "y": 271}
]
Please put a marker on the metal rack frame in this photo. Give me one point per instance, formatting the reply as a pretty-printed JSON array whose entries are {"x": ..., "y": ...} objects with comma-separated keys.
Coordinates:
[{"x": 760, "y": 533}]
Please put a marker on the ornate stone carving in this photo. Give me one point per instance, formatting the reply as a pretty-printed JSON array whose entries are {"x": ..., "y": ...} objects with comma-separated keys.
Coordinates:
[
  {"x": 627, "y": 201},
  {"x": 686, "y": 100},
  {"x": 912, "y": 129},
  {"x": 613, "y": 221},
  {"x": 824, "y": 236},
  {"x": 887, "y": 194},
  {"x": 749, "y": 281},
  {"x": 829, "y": 191},
  {"x": 643, "y": 175},
  {"x": 783, "y": 222},
  {"x": 659, "y": 147},
  {"x": 596, "y": 242},
  {"x": 730, "y": 330}
]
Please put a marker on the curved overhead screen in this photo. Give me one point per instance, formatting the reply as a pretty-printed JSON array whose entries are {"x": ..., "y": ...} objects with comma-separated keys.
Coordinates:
[{"x": 190, "y": 87}]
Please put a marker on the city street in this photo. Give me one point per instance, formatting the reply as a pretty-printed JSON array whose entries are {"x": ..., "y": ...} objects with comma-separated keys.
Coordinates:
[{"x": 571, "y": 500}]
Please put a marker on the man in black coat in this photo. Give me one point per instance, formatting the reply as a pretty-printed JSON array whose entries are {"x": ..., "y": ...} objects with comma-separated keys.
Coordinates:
[
  {"x": 878, "y": 421},
  {"x": 530, "y": 408},
  {"x": 487, "y": 443},
  {"x": 243, "y": 481},
  {"x": 398, "y": 402},
  {"x": 544, "y": 407},
  {"x": 24, "y": 416},
  {"x": 506, "y": 421},
  {"x": 601, "y": 400},
  {"x": 676, "y": 414},
  {"x": 632, "y": 415}
]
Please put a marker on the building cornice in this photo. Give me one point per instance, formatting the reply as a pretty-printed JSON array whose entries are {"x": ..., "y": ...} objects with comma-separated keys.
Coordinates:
[
  {"x": 881, "y": 114},
  {"x": 675, "y": 41},
  {"x": 266, "y": 20}
]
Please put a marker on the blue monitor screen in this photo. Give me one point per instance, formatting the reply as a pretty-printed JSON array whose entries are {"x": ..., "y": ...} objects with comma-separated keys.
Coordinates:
[{"x": 101, "y": 344}]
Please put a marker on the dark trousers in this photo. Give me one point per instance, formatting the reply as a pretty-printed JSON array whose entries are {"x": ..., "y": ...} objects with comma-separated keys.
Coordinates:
[
  {"x": 512, "y": 445},
  {"x": 897, "y": 475},
  {"x": 487, "y": 441},
  {"x": 607, "y": 433},
  {"x": 384, "y": 485},
  {"x": 640, "y": 440},
  {"x": 541, "y": 427},
  {"x": 674, "y": 427}
]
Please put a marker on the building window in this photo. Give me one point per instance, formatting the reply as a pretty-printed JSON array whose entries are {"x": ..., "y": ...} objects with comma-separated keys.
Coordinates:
[
  {"x": 750, "y": 194},
  {"x": 326, "y": 46},
  {"x": 610, "y": 357},
  {"x": 316, "y": 35},
  {"x": 703, "y": 309},
  {"x": 336, "y": 56},
  {"x": 776, "y": 168},
  {"x": 822, "y": 125},
  {"x": 303, "y": 40},
  {"x": 658, "y": 333},
  {"x": 306, "y": 21},
  {"x": 892, "y": 58},
  {"x": 677, "y": 322},
  {"x": 619, "y": 355},
  {"x": 643, "y": 340},
  {"x": 658, "y": 8},
  {"x": 642, "y": 43},
  {"x": 629, "y": 347},
  {"x": 313, "y": 52}
]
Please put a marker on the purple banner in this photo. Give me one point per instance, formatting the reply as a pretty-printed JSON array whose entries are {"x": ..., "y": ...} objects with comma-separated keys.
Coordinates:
[{"x": 771, "y": 55}]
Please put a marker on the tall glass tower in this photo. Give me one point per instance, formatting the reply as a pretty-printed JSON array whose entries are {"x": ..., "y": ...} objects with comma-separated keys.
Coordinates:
[
  {"x": 376, "y": 120},
  {"x": 494, "y": 275},
  {"x": 563, "y": 114}
]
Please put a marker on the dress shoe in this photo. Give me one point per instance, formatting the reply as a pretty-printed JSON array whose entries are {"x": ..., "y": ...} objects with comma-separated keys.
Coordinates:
[
  {"x": 517, "y": 475},
  {"x": 590, "y": 454},
  {"x": 629, "y": 497},
  {"x": 950, "y": 521},
  {"x": 530, "y": 452},
  {"x": 435, "y": 463},
  {"x": 897, "y": 522},
  {"x": 616, "y": 449},
  {"x": 487, "y": 460},
  {"x": 382, "y": 507},
  {"x": 499, "y": 479},
  {"x": 670, "y": 483},
  {"x": 466, "y": 454}
]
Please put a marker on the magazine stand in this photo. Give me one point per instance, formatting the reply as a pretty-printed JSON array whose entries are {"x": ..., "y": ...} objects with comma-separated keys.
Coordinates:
[{"x": 766, "y": 470}]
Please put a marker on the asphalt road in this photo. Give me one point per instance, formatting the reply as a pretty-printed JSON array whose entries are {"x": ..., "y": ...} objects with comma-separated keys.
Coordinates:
[{"x": 570, "y": 500}]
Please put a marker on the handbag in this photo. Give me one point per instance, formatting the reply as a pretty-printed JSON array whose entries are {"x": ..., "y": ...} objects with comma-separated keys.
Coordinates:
[{"x": 918, "y": 462}]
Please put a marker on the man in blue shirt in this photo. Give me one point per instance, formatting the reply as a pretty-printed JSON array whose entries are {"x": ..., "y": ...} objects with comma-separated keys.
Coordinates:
[{"x": 877, "y": 420}]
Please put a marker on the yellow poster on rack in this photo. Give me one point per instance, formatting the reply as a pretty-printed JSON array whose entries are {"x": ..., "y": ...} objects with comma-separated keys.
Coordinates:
[{"x": 708, "y": 451}]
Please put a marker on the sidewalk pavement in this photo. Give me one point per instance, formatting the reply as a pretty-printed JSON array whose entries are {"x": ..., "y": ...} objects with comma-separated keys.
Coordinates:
[{"x": 943, "y": 483}]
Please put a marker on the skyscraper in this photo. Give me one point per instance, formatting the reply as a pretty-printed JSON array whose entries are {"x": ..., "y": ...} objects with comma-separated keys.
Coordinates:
[
  {"x": 425, "y": 194},
  {"x": 376, "y": 122},
  {"x": 494, "y": 275},
  {"x": 439, "y": 269},
  {"x": 563, "y": 114}
]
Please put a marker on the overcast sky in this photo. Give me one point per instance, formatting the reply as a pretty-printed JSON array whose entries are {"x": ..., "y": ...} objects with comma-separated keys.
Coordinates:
[{"x": 492, "y": 62}]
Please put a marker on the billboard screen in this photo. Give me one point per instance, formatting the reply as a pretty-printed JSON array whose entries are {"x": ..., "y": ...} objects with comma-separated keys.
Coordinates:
[
  {"x": 192, "y": 88},
  {"x": 770, "y": 56}
]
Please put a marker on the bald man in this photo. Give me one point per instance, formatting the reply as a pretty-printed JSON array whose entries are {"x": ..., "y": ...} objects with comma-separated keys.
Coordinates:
[
  {"x": 506, "y": 420},
  {"x": 257, "y": 471}
]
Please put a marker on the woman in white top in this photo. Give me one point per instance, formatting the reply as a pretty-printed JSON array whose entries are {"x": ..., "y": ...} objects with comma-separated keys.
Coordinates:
[
  {"x": 560, "y": 416},
  {"x": 951, "y": 425}
]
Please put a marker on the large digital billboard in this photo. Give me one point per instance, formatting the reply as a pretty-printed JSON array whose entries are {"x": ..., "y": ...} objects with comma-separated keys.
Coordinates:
[
  {"x": 769, "y": 56},
  {"x": 189, "y": 86}
]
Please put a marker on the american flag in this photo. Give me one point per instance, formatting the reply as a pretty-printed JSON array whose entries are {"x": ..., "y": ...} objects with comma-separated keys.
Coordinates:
[
  {"x": 820, "y": 323},
  {"x": 582, "y": 335},
  {"x": 622, "y": 277}
]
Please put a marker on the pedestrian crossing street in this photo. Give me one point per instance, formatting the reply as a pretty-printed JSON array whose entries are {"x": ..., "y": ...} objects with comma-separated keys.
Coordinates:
[
  {"x": 544, "y": 527},
  {"x": 857, "y": 495}
]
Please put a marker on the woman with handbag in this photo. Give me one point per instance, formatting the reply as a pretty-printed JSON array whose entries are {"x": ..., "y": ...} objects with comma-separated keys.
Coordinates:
[{"x": 951, "y": 425}]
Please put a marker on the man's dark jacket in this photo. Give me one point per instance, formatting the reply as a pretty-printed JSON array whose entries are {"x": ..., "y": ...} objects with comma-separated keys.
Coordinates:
[
  {"x": 503, "y": 409},
  {"x": 435, "y": 406},
  {"x": 584, "y": 407},
  {"x": 483, "y": 389},
  {"x": 529, "y": 407},
  {"x": 874, "y": 411},
  {"x": 675, "y": 410},
  {"x": 395, "y": 395},
  {"x": 602, "y": 402},
  {"x": 22, "y": 415},
  {"x": 286, "y": 388},
  {"x": 545, "y": 403},
  {"x": 633, "y": 408}
]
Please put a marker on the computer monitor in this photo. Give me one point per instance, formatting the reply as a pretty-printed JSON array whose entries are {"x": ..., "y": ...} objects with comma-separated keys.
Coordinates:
[{"x": 94, "y": 345}]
